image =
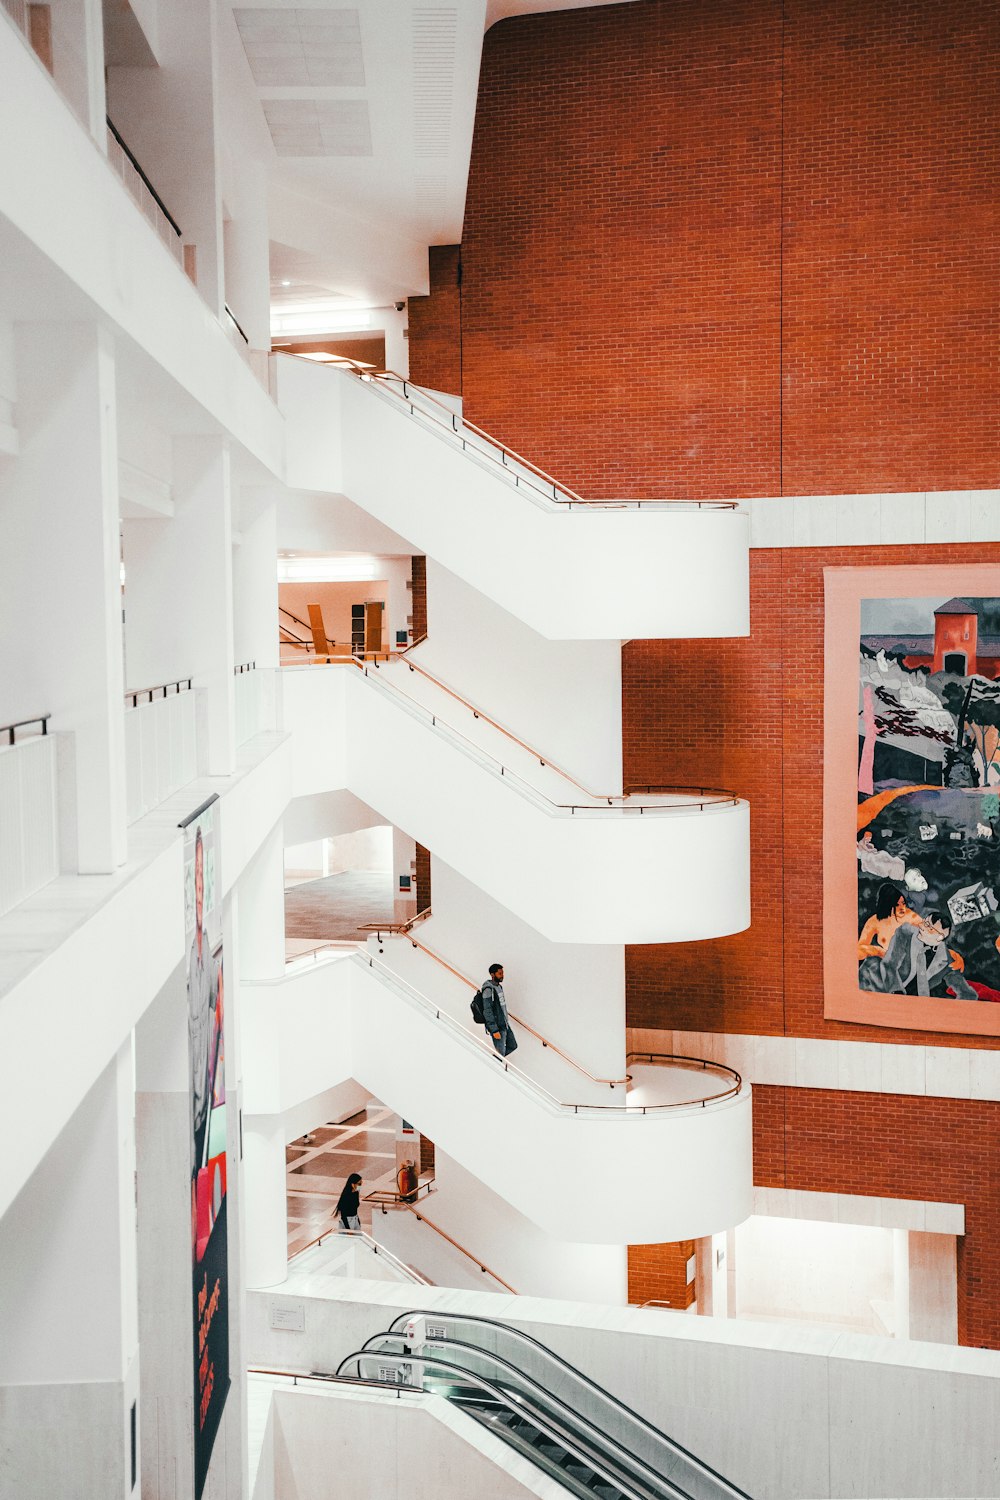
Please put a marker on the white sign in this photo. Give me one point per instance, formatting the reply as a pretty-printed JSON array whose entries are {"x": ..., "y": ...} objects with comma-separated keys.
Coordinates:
[{"x": 291, "y": 1316}]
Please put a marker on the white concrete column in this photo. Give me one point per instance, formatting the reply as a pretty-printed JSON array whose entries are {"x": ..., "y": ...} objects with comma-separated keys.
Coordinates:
[
  {"x": 60, "y": 608},
  {"x": 68, "y": 1356},
  {"x": 403, "y": 856},
  {"x": 78, "y": 61},
  {"x": 179, "y": 593},
  {"x": 261, "y": 897},
  {"x": 246, "y": 246},
  {"x": 255, "y": 577},
  {"x": 169, "y": 117},
  {"x": 397, "y": 348},
  {"x": 265, "y": 1212},
  {"x": 163, "y": 1190},
  {"x": 932, "y": 1277},
  {"x": 261, "y": 944}
]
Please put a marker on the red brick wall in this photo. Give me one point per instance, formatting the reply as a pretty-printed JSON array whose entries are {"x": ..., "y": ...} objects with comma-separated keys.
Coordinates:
[
  {"x": 418, "y": 597},
  {"x": 739, "y": 247},
  {"x": 896, "y": 1146},
  {"x": 748, "y": 715},
  {"x": 660, "y": 1272},
  {"x": 423, "y": 878},
  {"x": 435, "y": 322}
]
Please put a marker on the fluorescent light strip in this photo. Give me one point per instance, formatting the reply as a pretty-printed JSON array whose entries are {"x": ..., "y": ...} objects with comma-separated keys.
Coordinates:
[{"x": 329, "y": 569}]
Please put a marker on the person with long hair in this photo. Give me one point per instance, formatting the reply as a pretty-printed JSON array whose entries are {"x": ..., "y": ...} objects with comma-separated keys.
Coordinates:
[{"x": 349, "y": 1202}]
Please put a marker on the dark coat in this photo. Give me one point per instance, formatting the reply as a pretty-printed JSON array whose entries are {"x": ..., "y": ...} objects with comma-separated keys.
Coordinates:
[{"x": 495, "y": 1018}]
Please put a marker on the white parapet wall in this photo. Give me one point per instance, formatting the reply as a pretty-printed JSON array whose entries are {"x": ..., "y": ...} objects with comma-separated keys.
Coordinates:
[
  {"x": 571, "y": 573},
  {"x": 161, "y": 751},
  {"x": 780, "y": 1411},
  {"x": 576, "y": 872},
  {"x": 678, "y": 1172},
  {"x": 29, "y": 841}
]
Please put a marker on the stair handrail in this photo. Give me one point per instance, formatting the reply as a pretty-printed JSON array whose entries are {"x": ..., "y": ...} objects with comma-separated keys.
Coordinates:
[
  {"x": 561, "y": 493},
  {"x": 423, "y": 1219},
  {"x": 403, "y": 929},
  {"x": 165, "y": 690},
  {"x": 382, "y": 1195},
  {"x": 574, "y": 1370},
  {"x": 487, "y": 1050},
  {"x": 410, "y": 1272},
  {"x": 10, "y": 730},
  {"x": 531, "y": 1085},
  {"x": 700, "y": 797},
  {"x": 292, "y": 616}
]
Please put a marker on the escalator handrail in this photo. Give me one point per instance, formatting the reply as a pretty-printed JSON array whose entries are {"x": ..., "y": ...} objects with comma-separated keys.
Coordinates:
[
  {"x": 538, "y": 1392},
  {"x": 509, "y": 1399},
  {"x": 594, "y": 1385}
]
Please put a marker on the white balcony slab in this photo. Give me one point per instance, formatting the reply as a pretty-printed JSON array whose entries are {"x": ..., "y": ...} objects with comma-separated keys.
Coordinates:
[
  {"x": 680, "y": 1171},
  {"x": 570, "y": 572}
]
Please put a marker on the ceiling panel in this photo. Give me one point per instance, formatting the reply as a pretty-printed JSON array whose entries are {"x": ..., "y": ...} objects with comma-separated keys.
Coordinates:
[{"x": 319, "y": 127}]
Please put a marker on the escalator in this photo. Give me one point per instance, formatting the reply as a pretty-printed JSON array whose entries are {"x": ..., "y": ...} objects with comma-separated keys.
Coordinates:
[{"x": 539, "y": 1404}]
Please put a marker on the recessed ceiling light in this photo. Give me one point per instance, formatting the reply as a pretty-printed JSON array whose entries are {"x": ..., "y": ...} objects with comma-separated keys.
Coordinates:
[{"x": 286, "y": 283}]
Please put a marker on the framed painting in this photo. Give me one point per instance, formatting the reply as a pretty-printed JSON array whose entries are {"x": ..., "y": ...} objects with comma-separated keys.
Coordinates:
[{"x": 911, "y": 797}]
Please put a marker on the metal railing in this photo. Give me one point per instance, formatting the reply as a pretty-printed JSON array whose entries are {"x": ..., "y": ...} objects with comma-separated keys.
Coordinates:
[
  {"x": 407, "y": 1272},
  {"x": 162, "y": 689},
  {"x": 682, "y": 799},
  {"x": 398, "y": 929},
  {"x": 521, "y": 471},
  {"x": 383, "y": 1196},
  {"x": 485, "y": 1049},
  {"x": 143, "y": 194},
  {"x": 475, "y": 1260},
  {"x": 10, "y": 730}
]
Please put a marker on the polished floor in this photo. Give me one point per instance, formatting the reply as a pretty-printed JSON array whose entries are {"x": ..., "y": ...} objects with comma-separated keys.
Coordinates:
[
  {"x": 316, "y": 1172},
  {"x": 335, "y": 908}
]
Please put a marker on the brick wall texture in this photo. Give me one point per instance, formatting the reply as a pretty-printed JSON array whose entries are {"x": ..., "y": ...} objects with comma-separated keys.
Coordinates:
[
  {"x": 435, "y": 325},
  {"x": 738, "y": 247},
  {"x": 749, "y": 248},
  {"x": 659, "y": 1272}
]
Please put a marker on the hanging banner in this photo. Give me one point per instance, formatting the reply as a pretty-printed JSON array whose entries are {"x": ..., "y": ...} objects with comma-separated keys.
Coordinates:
[{"x": 209, "y": 1242}]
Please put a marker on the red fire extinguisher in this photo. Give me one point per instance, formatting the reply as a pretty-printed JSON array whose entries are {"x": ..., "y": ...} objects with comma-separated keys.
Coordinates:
[{"x": 406, "y": 1182}]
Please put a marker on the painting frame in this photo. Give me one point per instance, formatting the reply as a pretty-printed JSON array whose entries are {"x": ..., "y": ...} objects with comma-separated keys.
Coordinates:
[{"x": 843, "y": 999}]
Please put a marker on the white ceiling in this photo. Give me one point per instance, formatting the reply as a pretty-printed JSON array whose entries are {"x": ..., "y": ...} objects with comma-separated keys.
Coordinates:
[{"x": 370, "y": 110}]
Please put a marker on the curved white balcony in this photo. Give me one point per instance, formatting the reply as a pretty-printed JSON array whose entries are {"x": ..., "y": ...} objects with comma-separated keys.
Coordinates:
[
  {"x": 677, "y": 1151},
  {"x": 570, "y": 568},
  {"x": 577, "y": 866}
]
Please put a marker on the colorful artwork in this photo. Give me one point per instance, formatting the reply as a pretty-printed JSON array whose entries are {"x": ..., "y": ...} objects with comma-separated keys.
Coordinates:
[
  {"x": 209, "y": 1139},
  {"x": 928, "y": 798}
]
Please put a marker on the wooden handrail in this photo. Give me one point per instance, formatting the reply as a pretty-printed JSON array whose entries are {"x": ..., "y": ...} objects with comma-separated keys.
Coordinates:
[
  {"x": 561, "y": 493},
  {"x": 373, "y": 1244},
  {"x": 403, "y": 929},
  {"x": 422, "y": 1218},
  {"x": 700, "y": 796}
]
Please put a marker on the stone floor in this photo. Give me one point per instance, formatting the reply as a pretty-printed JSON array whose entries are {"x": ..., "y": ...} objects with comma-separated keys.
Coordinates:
[
  {"x": 316, "y": 1172},
  {"x": 336, "y": 906}
]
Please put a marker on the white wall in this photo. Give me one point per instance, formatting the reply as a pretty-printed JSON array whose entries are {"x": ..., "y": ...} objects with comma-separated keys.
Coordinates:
[
  {"x": 534, "y": 1263},
  {"x": 836, "y": 1273},
  {"x": 573, "y": 993},
  {"x": 571, "y": 575},
  {"x": 94, "y": 250},
  {"x": 369, "y": 849},
  {"x": 326, "y": 1446},
  {"x": 564, "y": 698},
  {"x": 679, "y": 1173},
  {"x": 780, "y": 1412}
]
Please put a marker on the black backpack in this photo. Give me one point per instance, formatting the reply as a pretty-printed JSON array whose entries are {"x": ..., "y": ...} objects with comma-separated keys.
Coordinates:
[{"x": 478, "y": 1014}]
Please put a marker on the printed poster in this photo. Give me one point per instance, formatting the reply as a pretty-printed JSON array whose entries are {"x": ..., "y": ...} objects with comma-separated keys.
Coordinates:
[{"x": 209, "y": 1137}]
